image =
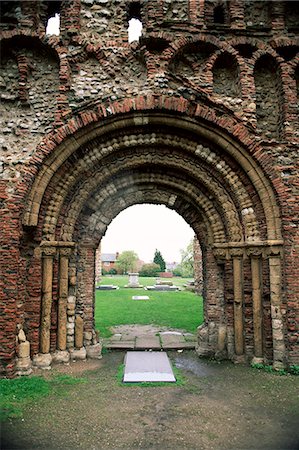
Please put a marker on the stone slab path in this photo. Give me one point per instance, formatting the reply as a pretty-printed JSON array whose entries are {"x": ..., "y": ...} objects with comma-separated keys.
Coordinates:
[{"x": 147, "y": 337}]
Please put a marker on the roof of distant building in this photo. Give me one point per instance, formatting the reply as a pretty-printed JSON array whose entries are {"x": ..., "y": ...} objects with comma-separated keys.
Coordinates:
[
  {"x": 111, "y": 257},
  {"x": 171, "y": 265}
]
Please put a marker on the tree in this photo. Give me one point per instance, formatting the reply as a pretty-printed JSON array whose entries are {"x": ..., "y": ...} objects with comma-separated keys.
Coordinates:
[
  {"x": 126, "y": 262},
  {"x": 186, "y": 266},
  {"x": 149, "y": 270},
  {"x": 158, "y": 259}
]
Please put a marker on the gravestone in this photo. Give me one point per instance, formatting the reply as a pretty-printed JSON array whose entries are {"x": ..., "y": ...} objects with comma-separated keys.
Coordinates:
[
  {"x": 162, "y": 287},
  {"x": 147, "y": 367},
  {"x": 106, "y": 287},
  {"x": 140, "y": 297},
  {"x": 133, "y": 280}
]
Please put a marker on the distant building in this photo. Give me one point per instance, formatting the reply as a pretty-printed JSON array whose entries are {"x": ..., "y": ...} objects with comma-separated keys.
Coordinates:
[
  {"x": 108, "y": 261},
  {"x": 170, "y": 266}
]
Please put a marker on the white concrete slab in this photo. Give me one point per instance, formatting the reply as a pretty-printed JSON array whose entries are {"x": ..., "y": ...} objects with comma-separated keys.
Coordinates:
[
  {"x": 140, "y": 297},
  {"x": 147, "y": 366},
  {"x": 174, "y": 333}
]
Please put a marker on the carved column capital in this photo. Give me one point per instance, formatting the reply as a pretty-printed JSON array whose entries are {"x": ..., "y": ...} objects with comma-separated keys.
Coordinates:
[
  {"x": 254, "y": 252},
  {"x": 65, "y": 251},
  {"x": 273, "y": 252},
  {"x": 221, "y": 254},
  {"x": 236, "y": 252},
  {"x": 49, "y": 251}
]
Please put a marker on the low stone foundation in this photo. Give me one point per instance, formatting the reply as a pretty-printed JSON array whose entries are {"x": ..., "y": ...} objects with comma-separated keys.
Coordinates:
[{"x": 45, "y": 360}]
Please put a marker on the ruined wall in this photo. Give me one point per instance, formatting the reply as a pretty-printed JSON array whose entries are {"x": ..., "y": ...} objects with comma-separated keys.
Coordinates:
[{"x": 241, "y": 60}]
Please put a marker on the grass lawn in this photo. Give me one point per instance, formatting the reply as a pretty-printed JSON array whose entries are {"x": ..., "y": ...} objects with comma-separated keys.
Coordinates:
[
  {"x": 181, "y": 309},
  {"x": 17, "y": 394}
]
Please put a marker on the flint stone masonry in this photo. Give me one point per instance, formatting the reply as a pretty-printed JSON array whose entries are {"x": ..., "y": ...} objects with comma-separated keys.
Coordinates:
[{"x": 200, "y": 114}]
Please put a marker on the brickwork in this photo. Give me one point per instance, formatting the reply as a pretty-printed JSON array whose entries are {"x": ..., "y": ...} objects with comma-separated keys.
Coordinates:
[{"x": 200, "y": 115}]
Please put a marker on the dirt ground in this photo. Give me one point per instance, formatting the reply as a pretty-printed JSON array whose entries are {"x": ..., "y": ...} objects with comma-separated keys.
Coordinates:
[{"x": 220, "y": 406}]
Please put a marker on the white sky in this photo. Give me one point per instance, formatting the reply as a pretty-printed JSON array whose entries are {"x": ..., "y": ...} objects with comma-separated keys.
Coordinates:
[
  {"x": 53, "y": 25},
  {"x": 143, "y": 228}
]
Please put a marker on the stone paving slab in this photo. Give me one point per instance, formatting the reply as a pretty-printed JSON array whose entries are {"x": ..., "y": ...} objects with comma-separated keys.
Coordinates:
[
  {"x": 115, "y": 337},
  {"x": 146, "y": 342},
  {"x": 151, "y": 340},
  {"x": 121, "y": 345},
  {"x": 171, "y": 339},
  {"x": 178, "y": 345}
]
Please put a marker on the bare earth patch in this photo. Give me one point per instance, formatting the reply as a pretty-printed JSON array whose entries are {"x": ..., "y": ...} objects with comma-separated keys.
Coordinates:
[{"x": 220, "y": 406}]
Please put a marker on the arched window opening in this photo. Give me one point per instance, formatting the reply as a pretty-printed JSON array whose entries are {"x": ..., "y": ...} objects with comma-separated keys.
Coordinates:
[
  {"x": 134, "y": 21},
  {"x": 226, "y": 79},
  {"x": 53, "y": 18},
  {"x": 245, "y": 50},
  {"x": 269, "y": 99},
  {"x": 219, "y": 15}
]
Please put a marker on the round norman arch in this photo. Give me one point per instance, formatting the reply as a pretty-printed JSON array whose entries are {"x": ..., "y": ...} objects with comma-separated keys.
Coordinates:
[{"x": 188, "y": 164}]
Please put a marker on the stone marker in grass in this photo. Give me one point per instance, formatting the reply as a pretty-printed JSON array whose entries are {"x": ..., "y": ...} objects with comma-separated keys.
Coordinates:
[{"x": 147, "y": 367}]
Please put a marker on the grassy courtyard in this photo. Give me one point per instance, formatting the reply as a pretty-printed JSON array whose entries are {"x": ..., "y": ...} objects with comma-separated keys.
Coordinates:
[{"x": 181, "y": 309}]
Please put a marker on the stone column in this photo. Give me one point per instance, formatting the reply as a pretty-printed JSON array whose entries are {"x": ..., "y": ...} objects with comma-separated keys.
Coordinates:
[
  {"x": 197, "y": 255},
  {"x": 98, "y": 265},
  {"x": 237, "y": 256},
  {"x": 279, "y": 350},
  {"x": 63, "y": 295},
  {"x": 48, "y": 256},
  {"x": 256, "y": 277}
]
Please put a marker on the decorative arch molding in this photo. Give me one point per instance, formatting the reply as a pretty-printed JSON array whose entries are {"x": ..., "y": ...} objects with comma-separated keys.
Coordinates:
[
  {"x": 200, "y": 162},
  {"x": 176, "y": 191},
  {"x": 96, "y": 224},
  {"x": 198, "y": 121}
]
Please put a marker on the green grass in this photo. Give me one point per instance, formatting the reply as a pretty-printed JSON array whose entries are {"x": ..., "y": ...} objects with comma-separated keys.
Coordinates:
[
  {"x": 181, "y": 309},
  {"x": 17, "y": 393}
]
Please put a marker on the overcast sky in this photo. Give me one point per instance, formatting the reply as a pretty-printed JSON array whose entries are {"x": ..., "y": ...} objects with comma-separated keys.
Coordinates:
[{"x": 143, "y": 228}]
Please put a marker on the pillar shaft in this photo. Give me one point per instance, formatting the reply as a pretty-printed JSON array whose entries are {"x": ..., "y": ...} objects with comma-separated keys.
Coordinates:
[
  {"x": 238, "y": 304},
  {"x": 46, "y": 303},
  {"x": 279, "y": 351},
  {"x": 256, "y": 274},
  {"x": 62, "y": 305}
]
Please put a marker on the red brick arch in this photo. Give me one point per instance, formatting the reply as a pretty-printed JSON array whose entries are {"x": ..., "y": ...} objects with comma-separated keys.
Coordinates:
[{"x": 120, "y": 150}]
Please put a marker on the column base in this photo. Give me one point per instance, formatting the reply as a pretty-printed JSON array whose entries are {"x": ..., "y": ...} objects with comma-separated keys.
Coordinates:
[
  {"x": 23, "y": 366},
  {"x": 61, "y": 356},
  {"x": 42, "y": 361},
  {"x": 239, "y": 359},
  {"x": 278, "y": 365},
  {"x": 94, "y": 351},
  {"x": 257, "y": 360},
  {"x": 78, "y": 354}
]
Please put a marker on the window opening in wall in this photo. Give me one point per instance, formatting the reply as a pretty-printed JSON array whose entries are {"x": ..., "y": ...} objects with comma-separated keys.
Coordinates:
[
  {"x": 219, "y": 15},
  {"x": 53, "y": 25},
  {"x": 134, "y": 20}
]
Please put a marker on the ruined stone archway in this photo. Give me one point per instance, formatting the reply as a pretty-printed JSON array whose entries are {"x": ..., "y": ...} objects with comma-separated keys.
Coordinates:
[{"x": 212, "y": 180}]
